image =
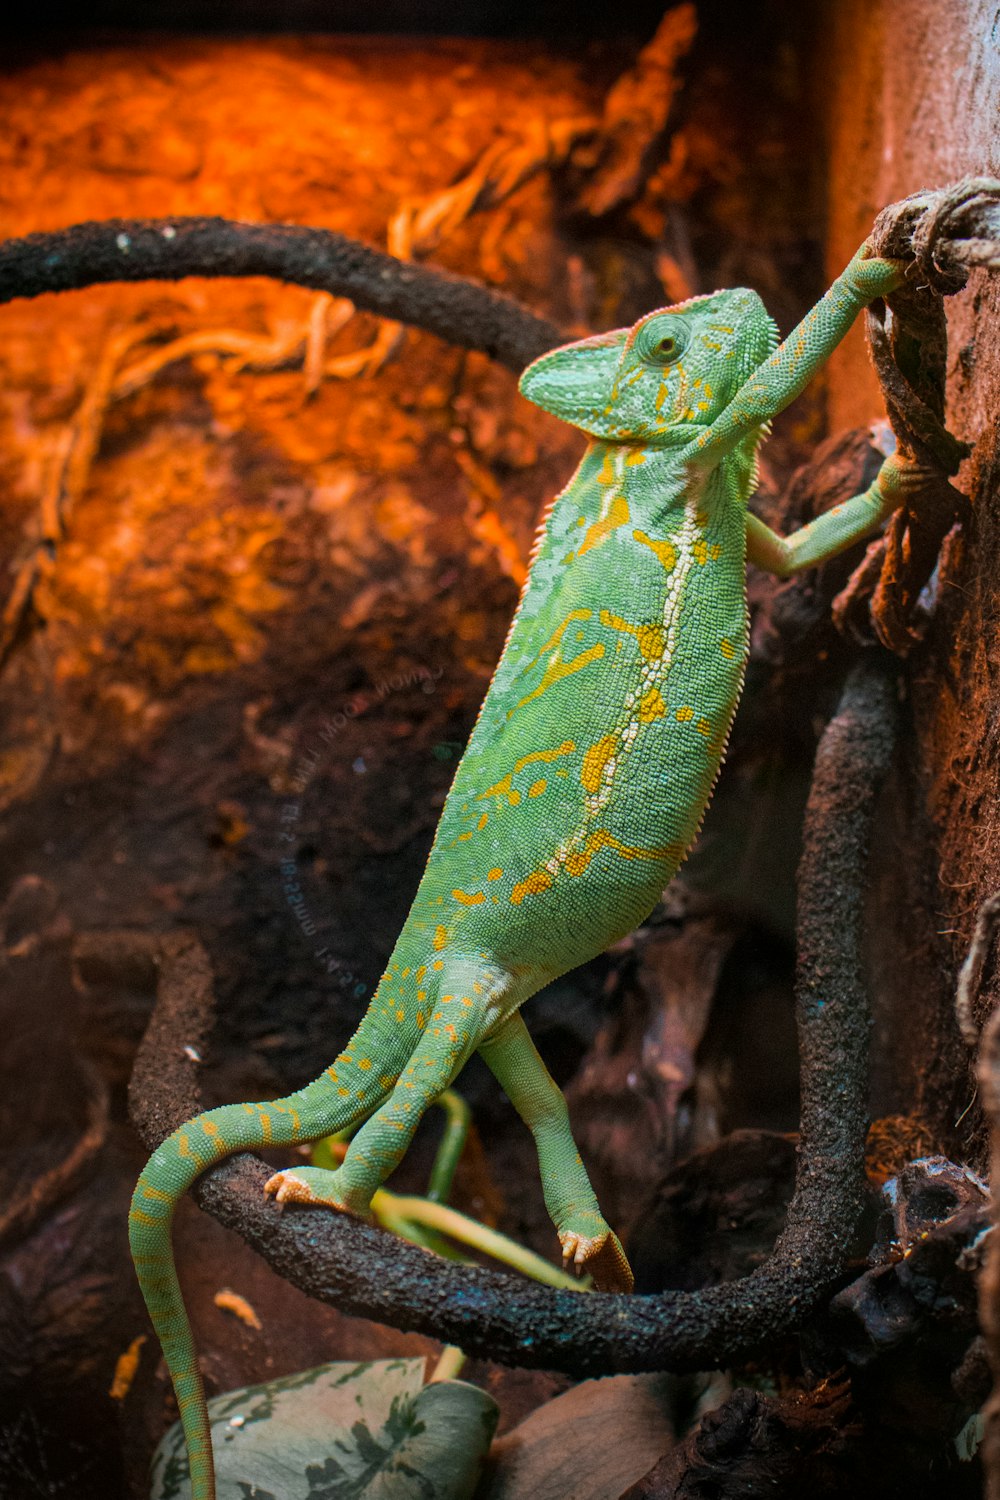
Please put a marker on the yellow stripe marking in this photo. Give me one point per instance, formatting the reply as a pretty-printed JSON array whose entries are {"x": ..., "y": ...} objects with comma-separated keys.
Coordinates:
[{"x": 557, "y": 670}]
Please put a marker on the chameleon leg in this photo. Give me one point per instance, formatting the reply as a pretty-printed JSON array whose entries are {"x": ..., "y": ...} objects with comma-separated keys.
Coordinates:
[
  {"x": 443, "y": 1048},
  {"x": 586, "y": 1238},
  {"x": 837, "y": 528},
  {"x": 776, "y": 383}
]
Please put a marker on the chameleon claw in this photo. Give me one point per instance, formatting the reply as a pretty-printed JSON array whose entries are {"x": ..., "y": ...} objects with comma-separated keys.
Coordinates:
[
  {"x": 601, "y": 1256},
  {"x": 293, "y": 1185}
]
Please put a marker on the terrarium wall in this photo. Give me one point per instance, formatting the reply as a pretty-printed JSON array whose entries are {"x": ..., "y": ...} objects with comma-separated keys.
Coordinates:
[
  {"x": 263, "y": 555},
  {"x": 909, "y": 98}
]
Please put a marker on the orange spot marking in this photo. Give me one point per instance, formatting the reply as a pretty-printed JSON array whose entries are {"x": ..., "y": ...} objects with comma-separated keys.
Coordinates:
[
  {"x": 651, "y": 706},
  {"x": 649, "y": 637},
  {"x": 420, "y": 1019},
  {"x": 637, "y": 456},
  {"x": 400, "y": 1017},
  {"x": 715, "y": 552},
  {"x": 594, "y": 761},
  {"x": 664, "y": 552},
  {"x": 467, "y": 898},
  {"x": 684, "y": 715},
  {"x": 440, "y": 937},
  {"x": 494, "y": 874},
  {"x": 537, "y": 788},
  {"x": 483, "y": 821},
  {"x": 728, "y": 649},
  {"x": 537, "y": 881},
  {"x": 437, "y": 964},
  {"x": 700, "y": 550},
  {"x": 364, "y": 1063},
  {"x": 421, "y": 994},
  {"x": 703, "y": 727},
  {"x": 421, "y": 974}
]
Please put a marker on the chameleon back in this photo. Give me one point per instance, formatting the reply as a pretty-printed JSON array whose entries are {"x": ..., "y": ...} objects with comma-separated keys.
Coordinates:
[{"x": 600, "y": 738}]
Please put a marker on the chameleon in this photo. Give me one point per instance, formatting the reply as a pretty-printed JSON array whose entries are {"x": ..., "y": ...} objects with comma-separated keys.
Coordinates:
[{"x": 586, "y": 777}]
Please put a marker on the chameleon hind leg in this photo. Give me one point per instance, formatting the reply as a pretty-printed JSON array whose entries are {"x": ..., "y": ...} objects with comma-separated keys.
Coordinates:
[
  {"x": 451, "y": 1035},
  {"x": 587, "y": 1239}
]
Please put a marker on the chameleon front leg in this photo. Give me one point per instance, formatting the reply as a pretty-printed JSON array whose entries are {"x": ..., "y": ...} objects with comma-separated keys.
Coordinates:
[
  {"x": 776, "y": 383},
  {"x": 836, "y": 529},
  {"x": 586, "y": 1237}
]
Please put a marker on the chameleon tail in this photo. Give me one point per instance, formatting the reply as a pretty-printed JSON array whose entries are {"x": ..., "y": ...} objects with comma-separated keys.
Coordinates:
[{"x": 322, "y": 1107}]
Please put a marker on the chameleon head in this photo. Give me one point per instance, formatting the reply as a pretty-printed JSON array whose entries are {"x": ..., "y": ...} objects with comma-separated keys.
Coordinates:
[{"x": 673, "y": 372}]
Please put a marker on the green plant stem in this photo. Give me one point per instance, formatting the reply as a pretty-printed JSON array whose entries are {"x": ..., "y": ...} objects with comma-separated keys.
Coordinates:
[
  {"x": 450, "y": 1147},
  {"x": 469, "y": 1232},
  {"x": 449, "y": 1365}
]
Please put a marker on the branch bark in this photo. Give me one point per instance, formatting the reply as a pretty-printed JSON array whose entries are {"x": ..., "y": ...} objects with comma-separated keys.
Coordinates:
[{"x": 456, "y": 308}]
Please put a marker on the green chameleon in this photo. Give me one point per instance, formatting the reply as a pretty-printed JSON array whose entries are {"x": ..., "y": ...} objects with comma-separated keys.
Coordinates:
[{"x": 586, "y": 777}]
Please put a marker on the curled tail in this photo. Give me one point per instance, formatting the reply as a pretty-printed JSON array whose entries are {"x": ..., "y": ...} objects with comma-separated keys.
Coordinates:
[{"x": 322, "y": 1107}]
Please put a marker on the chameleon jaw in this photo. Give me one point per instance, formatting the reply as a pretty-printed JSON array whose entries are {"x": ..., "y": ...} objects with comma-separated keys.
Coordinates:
[{"x": 601, "y": 1256}]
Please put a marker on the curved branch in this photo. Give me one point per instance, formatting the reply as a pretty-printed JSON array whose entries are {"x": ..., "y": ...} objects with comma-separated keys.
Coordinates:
[
  {"x": 456, "y": 308},
  {"x": 365, "y": 1271}
]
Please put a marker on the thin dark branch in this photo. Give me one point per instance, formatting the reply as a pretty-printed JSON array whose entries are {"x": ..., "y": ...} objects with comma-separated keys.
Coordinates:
[
  {"x": 456, "y": 308},
  {"x": 365, "y": 1271}
]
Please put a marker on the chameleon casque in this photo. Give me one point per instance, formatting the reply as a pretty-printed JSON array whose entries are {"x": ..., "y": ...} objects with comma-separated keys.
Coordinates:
[{"x": 587, "y": 774}]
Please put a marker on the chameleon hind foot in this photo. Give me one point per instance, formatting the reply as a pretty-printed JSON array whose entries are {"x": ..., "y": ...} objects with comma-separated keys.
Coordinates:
[
  {"x": 316, "y": 1186},
  {"x": 601, "y": 1256}
]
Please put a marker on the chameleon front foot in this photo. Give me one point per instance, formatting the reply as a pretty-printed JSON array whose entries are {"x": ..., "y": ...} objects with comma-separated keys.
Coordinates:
[
  {"x": 601, "y": 1256},
  {"x": 315, "y": 1186}
]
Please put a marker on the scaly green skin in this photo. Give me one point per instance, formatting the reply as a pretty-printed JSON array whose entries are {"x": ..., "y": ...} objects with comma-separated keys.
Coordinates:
[{"x": 587, "y": 775}]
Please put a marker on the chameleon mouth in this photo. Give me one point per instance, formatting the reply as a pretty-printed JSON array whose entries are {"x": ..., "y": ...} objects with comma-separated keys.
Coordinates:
[{"x": 575, "y": 382}]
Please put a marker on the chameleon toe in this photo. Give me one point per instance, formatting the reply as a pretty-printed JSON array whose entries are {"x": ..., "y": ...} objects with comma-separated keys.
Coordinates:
[{"x": 601, "y": 1256}]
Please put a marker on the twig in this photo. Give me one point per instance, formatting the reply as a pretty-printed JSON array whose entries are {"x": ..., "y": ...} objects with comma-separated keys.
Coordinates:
[{"x": 364, "y": 1271}]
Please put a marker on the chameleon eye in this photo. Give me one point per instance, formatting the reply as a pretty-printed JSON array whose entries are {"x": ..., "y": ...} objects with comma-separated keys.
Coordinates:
[{"x": 661, "y": 343}]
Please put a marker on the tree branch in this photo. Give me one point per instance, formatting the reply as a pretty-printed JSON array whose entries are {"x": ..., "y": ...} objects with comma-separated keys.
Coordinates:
[{"x": 456, "y": 308}]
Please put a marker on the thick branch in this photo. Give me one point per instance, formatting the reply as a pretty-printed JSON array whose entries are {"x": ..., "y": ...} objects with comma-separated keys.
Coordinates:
[
  {"x": 456, "y": 308},
  {"x": 365, "y": 1271}
]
